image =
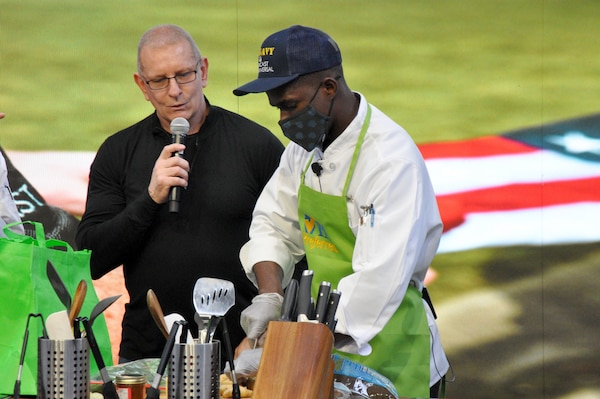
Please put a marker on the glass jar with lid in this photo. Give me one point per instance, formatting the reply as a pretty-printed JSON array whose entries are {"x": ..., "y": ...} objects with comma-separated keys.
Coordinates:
[{"x": 131, "y": 386}]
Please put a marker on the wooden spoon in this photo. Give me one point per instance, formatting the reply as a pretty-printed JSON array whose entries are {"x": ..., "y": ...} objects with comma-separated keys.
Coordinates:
[
  {"x": 78, "y": 299},
  {"x": 156, "y": 312}
]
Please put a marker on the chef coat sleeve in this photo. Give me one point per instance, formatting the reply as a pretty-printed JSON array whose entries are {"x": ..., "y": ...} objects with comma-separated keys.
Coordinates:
[{"x": 274, "y": 232}]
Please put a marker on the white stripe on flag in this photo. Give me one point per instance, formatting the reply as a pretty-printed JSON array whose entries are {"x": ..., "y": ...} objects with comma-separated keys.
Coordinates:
[
  {"x": 562, "y": 224},
  {"x": 451, "y": 175}
]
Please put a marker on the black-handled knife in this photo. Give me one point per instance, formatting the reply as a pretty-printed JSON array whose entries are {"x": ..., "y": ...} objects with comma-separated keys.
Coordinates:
[
  {"x": 322, "y": 301},
  {"x": 109, "y": 391},
  {"x": 332, "y": 305},
  {"x": 303, "y": 305},
  {"x": 289, "y": 301}
]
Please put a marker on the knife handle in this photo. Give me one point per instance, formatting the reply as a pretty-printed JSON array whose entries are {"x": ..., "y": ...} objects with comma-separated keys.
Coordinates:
[
  {"x": 322, "y": 301},
  {"x": 332, "y": 305},
  {"x": 304, "y": 294},
  {"x": 289, "y": 301}
]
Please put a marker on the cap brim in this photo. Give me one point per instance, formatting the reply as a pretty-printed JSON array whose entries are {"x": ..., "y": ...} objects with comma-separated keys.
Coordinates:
[{"x": 263, "y": 84}]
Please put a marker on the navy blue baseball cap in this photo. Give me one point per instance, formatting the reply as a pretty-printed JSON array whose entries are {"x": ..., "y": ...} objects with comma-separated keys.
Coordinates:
[{"x": 290, "y": 53}]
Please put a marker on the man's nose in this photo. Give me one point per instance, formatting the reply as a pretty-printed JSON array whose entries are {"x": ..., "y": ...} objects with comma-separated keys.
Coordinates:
[{"x": 174, "y": 88}]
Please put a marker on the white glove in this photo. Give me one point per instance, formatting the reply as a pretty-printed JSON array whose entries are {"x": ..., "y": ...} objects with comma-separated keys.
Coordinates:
[
  {"x": 246, "y": 364},
  {"x": 256, "y": 317}
]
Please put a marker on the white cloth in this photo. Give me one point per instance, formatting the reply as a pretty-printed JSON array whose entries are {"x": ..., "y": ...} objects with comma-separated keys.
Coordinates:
[
  {"x": 8, "y": 208},
  {"x": 395, "y": 250}
]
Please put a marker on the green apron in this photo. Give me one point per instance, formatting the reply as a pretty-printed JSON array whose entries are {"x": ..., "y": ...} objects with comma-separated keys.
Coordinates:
[{"x": 401, "y": 349}]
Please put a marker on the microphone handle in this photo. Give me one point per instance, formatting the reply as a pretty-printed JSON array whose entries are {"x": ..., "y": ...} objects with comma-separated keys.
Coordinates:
[
  {"x": 174, "y": 196},
  {"x": 175, "y": 192}
]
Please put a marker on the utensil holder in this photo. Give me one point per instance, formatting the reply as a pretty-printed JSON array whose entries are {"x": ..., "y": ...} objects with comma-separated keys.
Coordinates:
[
  {"x": 296, "y": 362},
  {"x": 63, "y": 369},
  {"x": 194, "y": 371}
]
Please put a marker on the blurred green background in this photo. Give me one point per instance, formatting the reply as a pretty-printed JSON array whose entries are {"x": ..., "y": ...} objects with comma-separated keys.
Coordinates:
[{"x": 444, "y": 70}]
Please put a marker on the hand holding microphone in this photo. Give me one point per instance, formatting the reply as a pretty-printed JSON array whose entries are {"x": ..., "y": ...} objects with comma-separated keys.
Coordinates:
[
  {"x": 170, "y": 170},
  {"x": 179, "y": 129}
]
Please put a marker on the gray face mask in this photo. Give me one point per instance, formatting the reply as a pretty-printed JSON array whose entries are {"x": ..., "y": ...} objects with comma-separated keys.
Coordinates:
[{"x": 306, "y": 128}]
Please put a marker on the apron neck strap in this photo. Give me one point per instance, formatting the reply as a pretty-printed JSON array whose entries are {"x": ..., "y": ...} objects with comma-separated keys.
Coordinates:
[
  {"x": 361, "y": 138},
  {"x": 307, "y": 166}
]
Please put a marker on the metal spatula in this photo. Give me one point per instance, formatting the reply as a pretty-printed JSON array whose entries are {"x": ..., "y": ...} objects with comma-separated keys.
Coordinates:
[{"x": 212, "y": 297}]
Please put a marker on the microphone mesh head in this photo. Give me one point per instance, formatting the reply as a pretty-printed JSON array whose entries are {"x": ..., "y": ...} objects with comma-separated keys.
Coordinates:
[{"x": 180, "y": 126}]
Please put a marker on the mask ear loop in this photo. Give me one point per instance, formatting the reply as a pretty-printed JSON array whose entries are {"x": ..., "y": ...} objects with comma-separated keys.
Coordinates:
[
  {"x": 319, "y": 88},
  {"x": 328, "y": 114},
  {"x": 332, "y": 100}
]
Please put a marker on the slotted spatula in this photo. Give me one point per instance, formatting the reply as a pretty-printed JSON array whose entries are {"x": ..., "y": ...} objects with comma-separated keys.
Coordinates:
[{"x": 212, "y": 297}]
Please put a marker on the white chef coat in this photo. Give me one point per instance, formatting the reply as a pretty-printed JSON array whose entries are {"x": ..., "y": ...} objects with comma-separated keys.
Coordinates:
[{"x": 394, "y": 245}]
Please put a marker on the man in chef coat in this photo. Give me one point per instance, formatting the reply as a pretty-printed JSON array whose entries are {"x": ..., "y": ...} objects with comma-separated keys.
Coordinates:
[{"x": 352, "y": 193}]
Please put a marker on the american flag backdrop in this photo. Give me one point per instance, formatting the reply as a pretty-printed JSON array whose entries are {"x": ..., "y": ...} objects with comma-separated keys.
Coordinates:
[{"x": 532, "y": 186}]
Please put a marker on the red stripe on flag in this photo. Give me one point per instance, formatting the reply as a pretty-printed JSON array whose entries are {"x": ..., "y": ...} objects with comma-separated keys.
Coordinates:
[
  {"x": 479, "y": 147},
  {"x": 455, "y": 207}
]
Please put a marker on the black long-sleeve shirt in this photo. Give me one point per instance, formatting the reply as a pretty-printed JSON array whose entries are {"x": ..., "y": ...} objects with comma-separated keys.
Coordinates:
[{"x": 231, "y": 159}]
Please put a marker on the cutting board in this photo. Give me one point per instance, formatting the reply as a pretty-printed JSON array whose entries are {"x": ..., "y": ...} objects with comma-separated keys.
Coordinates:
[{"x": 296, "y": 362}]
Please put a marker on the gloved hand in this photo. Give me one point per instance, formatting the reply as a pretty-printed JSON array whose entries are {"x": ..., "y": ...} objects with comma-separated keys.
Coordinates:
[
  {"x": 256, "y": 317},
  {"x": 246, "y": 364}
]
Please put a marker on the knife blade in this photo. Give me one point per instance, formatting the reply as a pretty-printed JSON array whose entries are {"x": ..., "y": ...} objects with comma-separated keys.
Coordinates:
[
  {"x": 304, "y": 295},
  {"x": 59, "y": 286},
  {"x": 332, "y": 305},
  {"x": 322, "y": 301}
]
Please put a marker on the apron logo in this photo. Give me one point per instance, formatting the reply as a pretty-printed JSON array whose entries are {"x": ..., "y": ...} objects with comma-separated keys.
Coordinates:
[
  {"x": 310, "y": 224},
  {"x": 315, "y": 236}
]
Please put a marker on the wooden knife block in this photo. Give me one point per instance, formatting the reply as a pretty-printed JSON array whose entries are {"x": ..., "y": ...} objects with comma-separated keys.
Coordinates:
[{"x": 296, "y": 362}]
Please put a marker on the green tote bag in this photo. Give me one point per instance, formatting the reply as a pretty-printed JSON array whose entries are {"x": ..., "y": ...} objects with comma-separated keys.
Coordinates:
[{"x": 25, "y": 289}]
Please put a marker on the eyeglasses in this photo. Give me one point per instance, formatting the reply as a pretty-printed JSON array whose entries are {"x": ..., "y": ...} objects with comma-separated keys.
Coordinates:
[{"x": 180, "y": 78}]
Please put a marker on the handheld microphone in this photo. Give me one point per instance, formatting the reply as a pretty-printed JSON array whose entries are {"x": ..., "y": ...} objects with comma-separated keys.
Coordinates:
[
  {"x": 316, "y": 168},
  {"x": 179, "y": 129}
]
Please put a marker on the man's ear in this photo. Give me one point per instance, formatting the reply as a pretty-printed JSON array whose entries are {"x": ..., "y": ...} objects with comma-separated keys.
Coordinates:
[
  {"x": 330, "y": 85},
  {"x": 204, "y": 71}
]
